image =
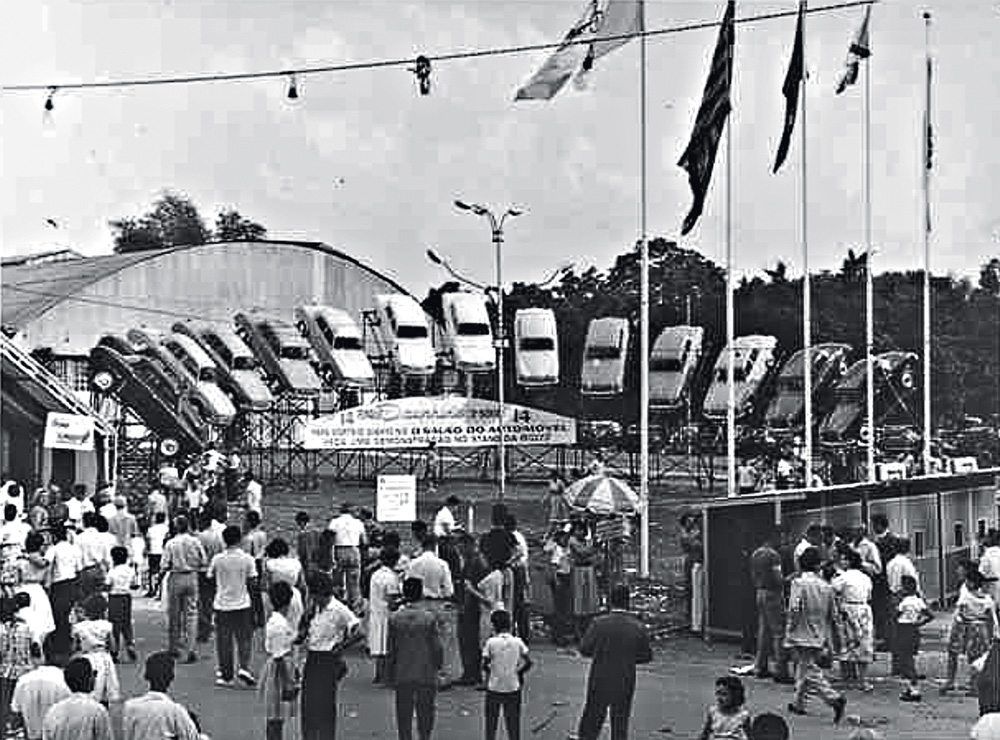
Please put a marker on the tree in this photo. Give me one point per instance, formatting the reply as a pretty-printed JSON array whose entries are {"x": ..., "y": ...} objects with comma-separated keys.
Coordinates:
[
  {"x": 230, "y": 226},
  {"x": 174, "y": 221}
]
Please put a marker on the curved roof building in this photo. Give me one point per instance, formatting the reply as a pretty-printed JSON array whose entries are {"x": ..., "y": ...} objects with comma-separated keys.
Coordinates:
[{"x": 65, "y": 306}]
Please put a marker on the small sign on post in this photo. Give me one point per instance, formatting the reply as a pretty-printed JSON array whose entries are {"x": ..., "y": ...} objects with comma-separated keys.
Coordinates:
[{"x": 396, "y": 498}]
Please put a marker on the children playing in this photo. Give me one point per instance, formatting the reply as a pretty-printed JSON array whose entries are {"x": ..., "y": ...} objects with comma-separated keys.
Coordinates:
[
  {"x": 92, "y": 638},
  {"x": 728, "y": 718},
  {"x": 119, "y": 582},
  {"x": 505, "y": 661},
  {"x": 911, "y": 615}
]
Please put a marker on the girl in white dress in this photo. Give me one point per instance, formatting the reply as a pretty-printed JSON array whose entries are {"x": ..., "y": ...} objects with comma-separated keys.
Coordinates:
[
  {"x": 383, "y": 595},
  {"x": 92, "y": 638}
]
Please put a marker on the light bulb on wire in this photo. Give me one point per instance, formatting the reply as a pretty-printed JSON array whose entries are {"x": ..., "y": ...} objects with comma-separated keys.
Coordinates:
[
  {"x": 48, "y": 120},
  {"x": 293, "y": 88}
]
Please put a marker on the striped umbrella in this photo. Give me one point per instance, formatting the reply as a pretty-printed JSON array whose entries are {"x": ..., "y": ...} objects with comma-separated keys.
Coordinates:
[{"x": 601, "y": 494}]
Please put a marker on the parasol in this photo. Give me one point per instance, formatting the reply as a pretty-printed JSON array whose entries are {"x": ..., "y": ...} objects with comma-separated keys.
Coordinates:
[{"x": 602, "y": 494}]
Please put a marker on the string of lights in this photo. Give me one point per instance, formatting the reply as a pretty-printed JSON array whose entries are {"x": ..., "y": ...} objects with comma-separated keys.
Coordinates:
[{"x": 420, "y": 67}]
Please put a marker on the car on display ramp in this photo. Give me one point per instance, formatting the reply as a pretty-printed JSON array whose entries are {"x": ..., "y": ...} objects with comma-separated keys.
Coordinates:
[
  {"x": 405, "y": 334},
  {"x": 673, "y": 364},
  {"x": 786, "y": 411},
  {"x": 239, "y": 371},
  {"x": 202, "y": 371},
  {"x": 604, "y": 355},
  {"x": 139, "y": 384},
  {"x": 536, "y": 347},
  {"x": 753, "y": 368},
  {"x": 337, "y": 344},
  {"x": 467, "y": 339},
  {"x": 284, "y": 355}
]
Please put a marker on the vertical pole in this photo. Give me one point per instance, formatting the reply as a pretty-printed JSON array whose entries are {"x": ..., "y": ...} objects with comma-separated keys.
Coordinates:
[
  {"x": 806, "y": 281},
  {"x": 643, "y": 313},
  {"x": 501, "y": 339},
  {"x": 730, "y": 312},
  {"x": 869, "y": 277},
  {"x": 927, "y": 255}
]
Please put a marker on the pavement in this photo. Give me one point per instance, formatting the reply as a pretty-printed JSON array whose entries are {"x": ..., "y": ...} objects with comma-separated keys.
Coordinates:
[{"x": 671, "y": 697}]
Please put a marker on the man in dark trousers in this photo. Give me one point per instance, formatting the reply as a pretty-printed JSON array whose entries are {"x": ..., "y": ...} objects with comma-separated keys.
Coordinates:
[
  {"x": 617, "y": 642},
  {"x": 415, "y": 655}
]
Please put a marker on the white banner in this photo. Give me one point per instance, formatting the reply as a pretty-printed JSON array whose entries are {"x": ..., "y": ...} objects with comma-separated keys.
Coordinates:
[
  {"x": 69, "y": 432},
  {"x": 448, "y": 421},
  {"x": 396, "y": 498}
]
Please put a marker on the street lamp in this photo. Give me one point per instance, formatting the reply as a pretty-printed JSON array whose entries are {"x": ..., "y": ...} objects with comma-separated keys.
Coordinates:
[{"x": 496, "y": 229}]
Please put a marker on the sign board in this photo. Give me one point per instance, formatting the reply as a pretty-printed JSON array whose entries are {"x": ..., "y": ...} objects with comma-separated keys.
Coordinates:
[
  {"x": 448, "y": 421},
  {"x": 396, "y": 498},
  {"x": 69, "y": 432}
]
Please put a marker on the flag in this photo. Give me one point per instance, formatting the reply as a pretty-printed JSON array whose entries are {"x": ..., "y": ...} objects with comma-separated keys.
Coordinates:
[
  {"x": 620, "y": 18},
  {"x": 859, "y": 49},
  {"x": 560, "y": 66},
  {"x": 790, "y": 89},
  {"x": 699, "y": 156}
]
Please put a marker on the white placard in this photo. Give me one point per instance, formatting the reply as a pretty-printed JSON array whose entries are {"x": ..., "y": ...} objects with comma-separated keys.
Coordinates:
[
  {"x": 446, "y": 421},
  {"x": 69, "y": 432},
  {"x": 396, "y": 498}
]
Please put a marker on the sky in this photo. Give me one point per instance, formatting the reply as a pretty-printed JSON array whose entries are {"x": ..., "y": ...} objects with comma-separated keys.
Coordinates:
[{"x": 364, "y": 163}]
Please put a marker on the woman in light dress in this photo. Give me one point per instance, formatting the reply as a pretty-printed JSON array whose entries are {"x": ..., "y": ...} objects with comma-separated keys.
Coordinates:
[
  {"x": 33, "y": 571},
  {"x": 383, "y": 595},
  {"x": 280, "y": 566},
  {"x": 853, "y": 589},
  {"x": 92, "y": 638}
]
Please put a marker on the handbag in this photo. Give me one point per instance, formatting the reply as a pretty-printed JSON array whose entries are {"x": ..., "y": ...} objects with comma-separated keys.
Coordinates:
[{"x": 289, "y": 679}]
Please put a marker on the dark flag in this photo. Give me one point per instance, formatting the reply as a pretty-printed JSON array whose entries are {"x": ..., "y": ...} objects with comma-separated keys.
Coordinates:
[
  {"x": 859, "y": 49},
  {"x": 928, "y": 144},
  {"x": 699, "y": 156},
  {"x": 790, "y": 89}
]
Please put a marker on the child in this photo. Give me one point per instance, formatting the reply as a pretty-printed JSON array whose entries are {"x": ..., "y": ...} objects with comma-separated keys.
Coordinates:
[
  {"x": 494, "y": 593},
  {"x": 727, "y": 718},
  {"x": 278, "y": 639},
  {"x": 16, "y": 646},
  {"x": 119, "y": 582},
  {"x": 156, "y": 535},
  {"x": 92, "y": 637},
  {"x": 769, "y": 726},
  {"x": 911, "y": 614},
  {"x": 505, "y": 661}
]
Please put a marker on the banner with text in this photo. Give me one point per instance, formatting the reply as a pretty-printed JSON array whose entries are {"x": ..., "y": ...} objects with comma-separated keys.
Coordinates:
[
  {"x": 69, "y": 432},
  {"x": 444, "y": 421}
]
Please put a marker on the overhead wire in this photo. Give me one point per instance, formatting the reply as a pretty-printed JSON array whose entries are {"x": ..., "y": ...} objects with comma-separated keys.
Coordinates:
[{"x": 300, "y": 72}]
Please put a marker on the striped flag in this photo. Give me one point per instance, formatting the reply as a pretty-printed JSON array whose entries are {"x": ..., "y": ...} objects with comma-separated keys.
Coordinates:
[
  {"x": 790, "y": 89},
  {"x": 860, "y": 49},
  {"x": 699, "y": 156},
  {"x": 606, "y": 30}
]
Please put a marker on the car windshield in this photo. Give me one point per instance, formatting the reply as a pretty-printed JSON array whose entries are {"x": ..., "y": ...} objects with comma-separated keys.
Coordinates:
[
  {"x": 666, "y": 364},
  {"x": 603, "y": 352},
  {"x": 207, "y": 375},
  {"x": 244, "y": 362},
  {"x": 474, "y": 330},
  {"x": 294, "y": 353},
  {"x": 347, "y": 343},
  {"x": 411, "y": 331},
  {"x": 739, "y": 375},
  {"x": 537, "y": 344}
]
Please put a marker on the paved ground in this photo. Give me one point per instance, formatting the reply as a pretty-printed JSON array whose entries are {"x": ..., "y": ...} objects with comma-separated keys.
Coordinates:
[{"x": 672, "y": 694}]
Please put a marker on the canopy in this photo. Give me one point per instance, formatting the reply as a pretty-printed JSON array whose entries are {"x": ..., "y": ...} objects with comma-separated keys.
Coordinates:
[{"x": 602, "y": 494}]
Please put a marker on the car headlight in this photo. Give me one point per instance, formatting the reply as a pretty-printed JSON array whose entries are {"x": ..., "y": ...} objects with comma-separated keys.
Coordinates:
[{"x": 103, "y": 380}]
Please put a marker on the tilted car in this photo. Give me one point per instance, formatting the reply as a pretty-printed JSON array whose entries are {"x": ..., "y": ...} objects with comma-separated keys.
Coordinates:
[
  {"x": 405, "y": 334},
  {"x": 337, "y": 345},
  {"x": 753, "y": 368},
  {"x": 284, "y": 355},
  {"x": 673, "y": 362},
  {"x": 239, "y": 370}
]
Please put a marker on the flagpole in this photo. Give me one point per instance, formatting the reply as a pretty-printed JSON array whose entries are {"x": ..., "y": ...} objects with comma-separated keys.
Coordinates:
[
  {"x": 806, "y": 281},
  {"x": 730, "y": 307},
  {"x": 869, "y": 274},
  {"x": 927, "y": 253},
  {"x": 644, "y": 313}
]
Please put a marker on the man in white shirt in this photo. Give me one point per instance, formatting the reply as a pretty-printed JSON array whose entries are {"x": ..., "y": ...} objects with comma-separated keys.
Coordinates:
[
  {"x": 349, "y": 537},
  {"x": 432, "y": 571},
  {"x": 13, "y": 532},
  {"x": 12, "y": 493},
  {"x": 155, "y": 714},
  {"x": 122, "y": 524},
  {"x": 77, "y": 505},
  {"x": 254, "y": 493},
  {"x": 79, "y": 716},
  {"x": 65, "y": 559},
  {"x": 813, "y": 537},
  {"x": 444, "y": 520},
  {"x": 34, "y": 693},
  {"x": 899, "y": 566},
  {"x": 95, "y": 555}
]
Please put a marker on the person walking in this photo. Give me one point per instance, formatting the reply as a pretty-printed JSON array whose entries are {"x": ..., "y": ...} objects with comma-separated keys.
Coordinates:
[
  {"x": 155, "y": 714},
  {"x": 183, "y": 559},
  {"x": 899, "y": 566},
  {"x": 79, "y": 716},
  {"x": 384, "y": 592},
  {"x": 122, "y": 524},
  {"x": 277, "y": 676},
  {"x": 811, "y": 621},
  {"x": 212, "y": 545},
  {"x": 65, "y": 559},
  {"x": 119, "y": 585},
  {"x": 853, "y": 591},
  {"x": 35, "y": 693},
  {"x": 232, "y": 570},
  {"x": 505, "y": 662},
  {"x": 769, "y": 584},
  {"x": 332, "y": 627},
  {"x": 255, "y": 543},
  {"x": 254, "y": 494},
  {"x": 349, "y": 540},
  {"x": 522, "y": 581},
  {"x": 415, "y": 655},
  {"x": 616, "y": 642}
]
